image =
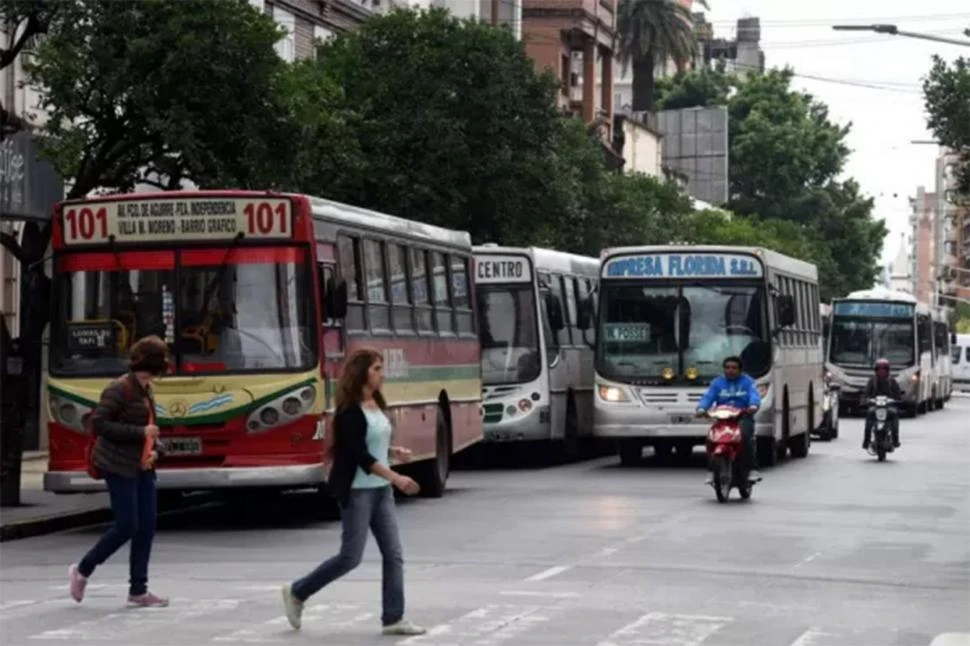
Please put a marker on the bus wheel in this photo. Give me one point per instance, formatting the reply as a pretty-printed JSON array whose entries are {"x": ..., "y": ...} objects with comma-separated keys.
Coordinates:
[
  {"x": 433, "y": 475},
  {"x": 569, "y": 445},
  {"x": 767, "y": 451},
  {"x": 631, "y": 452},
  {"x": 800, "y": 445}
]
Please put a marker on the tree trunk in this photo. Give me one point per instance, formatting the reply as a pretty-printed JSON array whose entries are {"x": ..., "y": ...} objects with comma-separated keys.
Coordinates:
[{"x": 643, "y": 83}]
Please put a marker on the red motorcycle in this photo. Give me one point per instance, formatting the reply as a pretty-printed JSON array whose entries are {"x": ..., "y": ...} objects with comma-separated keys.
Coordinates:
[{"x": 725, "y": 452}]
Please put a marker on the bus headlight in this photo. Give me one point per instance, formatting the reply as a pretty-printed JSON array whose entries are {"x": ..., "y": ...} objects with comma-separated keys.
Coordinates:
[
  {"x": 285, "y": 408},
  {"x": 612, "y": 394},
  {"x": 68, "y": 413}
]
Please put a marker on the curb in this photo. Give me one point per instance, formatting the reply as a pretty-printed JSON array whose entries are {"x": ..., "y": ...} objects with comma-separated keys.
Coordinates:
[
  {"x": 77, "y": 519},
  {"x": 50, "y": 524}
]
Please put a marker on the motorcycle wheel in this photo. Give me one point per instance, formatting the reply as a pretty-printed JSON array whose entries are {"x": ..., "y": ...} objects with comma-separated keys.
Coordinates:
[
  {"x": 745, "y": 490},
  {"x": 881, "y": 452},
  {"x": 721, "y": 470}
]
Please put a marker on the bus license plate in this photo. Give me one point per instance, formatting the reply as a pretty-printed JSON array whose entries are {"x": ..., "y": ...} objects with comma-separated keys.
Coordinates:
[
  {"x": 183, "y": 446},
  {"x": 681, "y": 418}
]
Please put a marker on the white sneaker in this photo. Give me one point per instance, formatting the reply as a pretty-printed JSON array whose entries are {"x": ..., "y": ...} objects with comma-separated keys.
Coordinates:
[
  {"x": 292, "y": 607},
  {"x": 403, "y": 627}
]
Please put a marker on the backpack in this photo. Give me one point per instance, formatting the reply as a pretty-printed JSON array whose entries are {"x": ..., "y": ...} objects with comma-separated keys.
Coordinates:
[{"x": 91, "y": 469}]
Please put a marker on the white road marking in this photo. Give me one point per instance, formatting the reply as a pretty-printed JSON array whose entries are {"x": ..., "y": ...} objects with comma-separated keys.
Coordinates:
[
  {"x": 130, "y": 623},
  {"x": 337, "y": 616},
  {"x": 951, "y": 639},
  {"x": 548, "y": 574},
  {"x": 539, "y": 593},
  {"x": 486, "y": 626},
  {"x": 808, "y": 560},
  {"x": 812, "y": 637},
  {"x": 606, "y": 551},
  {"x": 8, "y": 605},
  {"x": 663, "y": 629}
]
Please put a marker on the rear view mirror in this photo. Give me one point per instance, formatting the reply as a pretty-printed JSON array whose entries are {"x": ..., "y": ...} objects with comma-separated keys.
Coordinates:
[
  {"x": 785, "y": 310},
  {"x": 554, "y": 312},
  {"x": 584, "y": 315}
]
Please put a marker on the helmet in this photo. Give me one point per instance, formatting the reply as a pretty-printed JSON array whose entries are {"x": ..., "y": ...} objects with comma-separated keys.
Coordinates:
[{"x": 882, "y": 363}]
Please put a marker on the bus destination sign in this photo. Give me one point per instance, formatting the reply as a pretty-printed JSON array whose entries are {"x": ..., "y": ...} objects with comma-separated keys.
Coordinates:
[
  {"x": 679, "y": 265},
  {"x": 875, "y": 309},
  {"x": 502, "y": 269},
  {"x": 176, "y": 219}
]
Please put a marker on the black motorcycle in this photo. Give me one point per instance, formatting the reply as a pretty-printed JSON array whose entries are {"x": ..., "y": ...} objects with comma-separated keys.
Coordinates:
[{"x": 881, "y": 442}]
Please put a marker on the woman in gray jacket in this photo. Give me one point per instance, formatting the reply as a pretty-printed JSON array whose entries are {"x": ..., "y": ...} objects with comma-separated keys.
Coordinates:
[{"x": 125, "y": 453}]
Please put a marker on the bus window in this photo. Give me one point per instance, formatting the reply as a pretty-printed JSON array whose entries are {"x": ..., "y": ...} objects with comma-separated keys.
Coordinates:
[
  {"x": 955, "y": 355},
  {"x": 439, "y": 280},
  {"x": 400, "y": 298},
  {"x": 348, "y": 250},
  {"x": 460, "y": 295},
  {"x": 378, "y": 315},
  {"x": 419, "y": 290}
]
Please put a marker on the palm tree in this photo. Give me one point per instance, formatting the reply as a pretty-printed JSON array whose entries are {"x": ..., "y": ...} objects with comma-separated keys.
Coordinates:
[{"x": 651, "y": 32}]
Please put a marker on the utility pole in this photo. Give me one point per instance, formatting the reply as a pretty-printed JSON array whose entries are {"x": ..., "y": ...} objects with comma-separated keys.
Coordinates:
[
  {"x": 893, "y": 30},
  {"x": 495, "y": 6}
]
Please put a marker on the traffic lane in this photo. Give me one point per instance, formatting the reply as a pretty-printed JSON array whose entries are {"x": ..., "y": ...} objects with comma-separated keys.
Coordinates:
[{"x": 580, "y": 554}]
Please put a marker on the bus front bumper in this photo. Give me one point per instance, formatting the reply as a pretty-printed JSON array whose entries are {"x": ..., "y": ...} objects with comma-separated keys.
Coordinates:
[
  {"x": 290, "y": 476},
  {"x": 649, "y": 432}
]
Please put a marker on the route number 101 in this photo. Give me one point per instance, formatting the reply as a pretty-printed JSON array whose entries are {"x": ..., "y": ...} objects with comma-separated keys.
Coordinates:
[
  {"x": 84, "y": 223},
  {"x": 260, "y": 218}
]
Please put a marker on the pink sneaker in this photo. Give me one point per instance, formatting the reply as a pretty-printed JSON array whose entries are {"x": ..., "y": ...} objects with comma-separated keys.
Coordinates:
[
  {"x": 76, "y": 583},
  {"x": 147, "y": 600}
]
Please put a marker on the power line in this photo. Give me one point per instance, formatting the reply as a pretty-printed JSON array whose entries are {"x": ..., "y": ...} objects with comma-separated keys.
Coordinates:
[{"x": 825, "y": 22}]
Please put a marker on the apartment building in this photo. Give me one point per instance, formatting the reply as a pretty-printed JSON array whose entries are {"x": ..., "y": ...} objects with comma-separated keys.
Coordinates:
[{"x": 576, "y": 39}]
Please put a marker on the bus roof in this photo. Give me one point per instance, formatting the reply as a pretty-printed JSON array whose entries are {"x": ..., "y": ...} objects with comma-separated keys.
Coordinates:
[
  {"x": 772, "y": 259},
  {"x": 546, "y": 259},
  {"x": 879, "y": 294},
  {"x": 365, "y": 218}
]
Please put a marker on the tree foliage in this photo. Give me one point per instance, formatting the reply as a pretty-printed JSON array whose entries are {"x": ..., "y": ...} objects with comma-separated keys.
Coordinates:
[
  {"x": 785, "y": 157},
  {"x": 947, "y": 93},
  {"x": 148, "y": 90}
]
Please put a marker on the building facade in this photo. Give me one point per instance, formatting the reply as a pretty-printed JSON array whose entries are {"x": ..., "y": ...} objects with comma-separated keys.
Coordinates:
[
  {"x": 923, "y": 220},
  {"x": 741, "y": 55},
  {"x": 576, "y": 40}
]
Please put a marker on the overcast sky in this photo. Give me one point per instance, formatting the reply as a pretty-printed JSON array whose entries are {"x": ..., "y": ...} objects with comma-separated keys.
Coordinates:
[{"x": 885, "y": 118}]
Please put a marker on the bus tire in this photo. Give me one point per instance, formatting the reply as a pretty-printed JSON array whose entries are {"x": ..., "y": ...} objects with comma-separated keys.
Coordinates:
[
  {"x": 800, "y": 445},
  {"x": 432, "y": 476},
  {"x": 569, "y": 444},
  {"x": 767, "y": 451}
]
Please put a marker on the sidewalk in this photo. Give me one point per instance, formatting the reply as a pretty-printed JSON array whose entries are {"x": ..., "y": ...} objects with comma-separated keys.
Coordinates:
[{"x": 42, "y": 512}]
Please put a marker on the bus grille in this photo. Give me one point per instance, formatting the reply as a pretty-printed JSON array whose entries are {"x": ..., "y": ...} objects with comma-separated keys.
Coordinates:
[{"x": 493, "y": 413}]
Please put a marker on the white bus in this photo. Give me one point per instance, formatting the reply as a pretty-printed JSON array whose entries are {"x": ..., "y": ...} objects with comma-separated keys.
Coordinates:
[
  {"x": 537, "y": 368},
  {"x": 960, "y": 358},
  {"x": 669, "y": 315},
  {"x": 870, "y": 324},
  {"x": 941, "y": 356}
]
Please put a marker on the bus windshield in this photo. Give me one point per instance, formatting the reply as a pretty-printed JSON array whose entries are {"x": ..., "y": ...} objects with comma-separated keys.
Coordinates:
[
  {"x": 860, "y": 341},
  {"x": 220, "y": 309},
  {"x": 508, "y": 333},
  {"x": 685, "y": 328}
]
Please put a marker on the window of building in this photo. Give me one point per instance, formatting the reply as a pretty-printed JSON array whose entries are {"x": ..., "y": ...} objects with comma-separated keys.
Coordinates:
[{"x": 286, "y": 46}]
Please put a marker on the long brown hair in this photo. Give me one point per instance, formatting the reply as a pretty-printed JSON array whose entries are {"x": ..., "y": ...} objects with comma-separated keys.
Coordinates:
[{"x": 353, "y": 378}]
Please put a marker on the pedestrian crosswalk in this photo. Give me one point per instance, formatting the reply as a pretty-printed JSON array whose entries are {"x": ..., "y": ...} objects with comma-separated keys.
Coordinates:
[{"x": 253, "y": 617}]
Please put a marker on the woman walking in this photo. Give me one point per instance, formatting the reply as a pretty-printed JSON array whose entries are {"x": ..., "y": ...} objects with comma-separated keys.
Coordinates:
[
  {"x": 125, "y": 453},
  {"x": 361, "y": 481}
]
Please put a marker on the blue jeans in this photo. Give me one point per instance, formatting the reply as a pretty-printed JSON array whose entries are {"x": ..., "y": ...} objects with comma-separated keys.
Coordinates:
[
  {"x": 750, "y": 450},
  {"x": 135, "y": 508},
  {"x": 366, "y": 508}
]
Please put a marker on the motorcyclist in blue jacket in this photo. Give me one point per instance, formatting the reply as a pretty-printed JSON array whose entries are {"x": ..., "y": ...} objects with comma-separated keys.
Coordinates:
[{"x": 737, "y": 389}]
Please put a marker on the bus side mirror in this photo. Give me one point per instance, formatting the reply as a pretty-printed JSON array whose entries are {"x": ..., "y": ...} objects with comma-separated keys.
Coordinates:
[
  {"x": 338, "y": 301},
  {"x": 584, "y": 315},
  {"x": 785, "y": 307},
  {"x": 554, "y": 311}
]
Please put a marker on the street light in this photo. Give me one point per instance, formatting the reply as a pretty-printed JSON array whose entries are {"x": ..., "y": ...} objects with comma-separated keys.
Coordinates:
[{"x": 893, "y": 30}]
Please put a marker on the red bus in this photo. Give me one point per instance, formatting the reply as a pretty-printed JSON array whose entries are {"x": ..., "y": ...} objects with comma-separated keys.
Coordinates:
[{"x": 260, "y": 297}]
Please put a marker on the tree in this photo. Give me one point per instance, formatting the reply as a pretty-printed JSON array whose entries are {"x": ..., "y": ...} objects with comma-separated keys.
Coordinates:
[
  {"x": 785, "y": 155},
  {"x": 455, "y": 128},
  {"x": 154, "y": 91},
  {"x": 651, "y": 32},
  {"x": 25, "y": 20},
  {"x": 947, "y": 92}
]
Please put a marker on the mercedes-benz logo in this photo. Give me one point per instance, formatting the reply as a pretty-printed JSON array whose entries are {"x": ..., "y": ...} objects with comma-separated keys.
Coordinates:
[{"x": 179, "y": 409}]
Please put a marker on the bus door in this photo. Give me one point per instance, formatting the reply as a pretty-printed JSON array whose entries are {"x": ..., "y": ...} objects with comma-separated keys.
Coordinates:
[
  {"x": 556, "y": 339},
  {"x": 333, "y": 305}
]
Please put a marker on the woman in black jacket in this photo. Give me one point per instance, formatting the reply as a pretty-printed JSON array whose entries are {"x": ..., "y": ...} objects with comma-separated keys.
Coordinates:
[
  {"x": 361, "y": 480},
  {"x": 125, "y": 453}
]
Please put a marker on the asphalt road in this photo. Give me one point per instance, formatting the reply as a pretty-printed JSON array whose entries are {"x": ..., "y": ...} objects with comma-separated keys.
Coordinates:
[{"x": 834, "y": 550}]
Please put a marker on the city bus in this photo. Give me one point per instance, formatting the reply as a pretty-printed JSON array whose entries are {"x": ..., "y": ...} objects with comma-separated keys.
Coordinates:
[
  {"x": 941, "y": 356},
  {"x": 537, "y": 367},
  {"x": 669, "y": 315},
  {"x": 260, "y": 296},
  {"x": 960, "y": 358},
  {"x": 880, "y": 323}
]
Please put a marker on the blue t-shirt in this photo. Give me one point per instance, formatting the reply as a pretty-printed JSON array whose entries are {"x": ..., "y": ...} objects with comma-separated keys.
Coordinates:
[
  {"x": 378, "y": 445},
  {"x": 740, "y": 393}
]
